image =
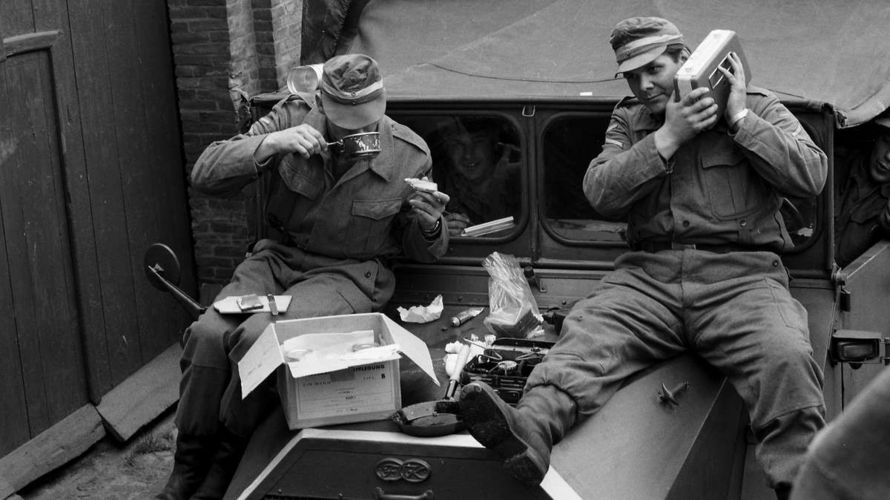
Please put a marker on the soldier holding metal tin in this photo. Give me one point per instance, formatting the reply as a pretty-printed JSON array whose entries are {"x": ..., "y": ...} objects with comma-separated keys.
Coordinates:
[
  {"x": 701, "y": 193},
  {"x": 338, "y": 210}
]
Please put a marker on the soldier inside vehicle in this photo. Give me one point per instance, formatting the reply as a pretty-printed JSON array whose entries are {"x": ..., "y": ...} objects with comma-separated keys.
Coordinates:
[{"x": 477, "y": 161}]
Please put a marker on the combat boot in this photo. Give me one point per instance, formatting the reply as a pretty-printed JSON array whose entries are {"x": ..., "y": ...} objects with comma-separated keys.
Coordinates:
[
  {"x": 225, "y": 462},
  {"x": 191, "y": 460},
  {"x": 522, "y": 436}
]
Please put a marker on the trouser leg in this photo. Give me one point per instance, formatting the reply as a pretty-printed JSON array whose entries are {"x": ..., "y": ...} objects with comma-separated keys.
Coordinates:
[
  {"x": 628, "y": 323},
  {"x": 204, "y": 378},
  {"x": 240, "y": 415},
  {"x": 620, "y": 329},
  {"x": 749, "y": 326},
  {"x": 312, "y": 297},
  {"x": 211, "y": 402},
  {"x": 206, "y": 372},
  {"x": 782, "y": 445}
]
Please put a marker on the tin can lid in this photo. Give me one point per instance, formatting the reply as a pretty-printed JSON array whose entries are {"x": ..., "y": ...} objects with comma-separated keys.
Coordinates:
[{"x": 304, "y": 78}]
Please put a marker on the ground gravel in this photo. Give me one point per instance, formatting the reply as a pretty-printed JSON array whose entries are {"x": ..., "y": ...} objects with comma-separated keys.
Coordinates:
[{"x": 109, "y": 470}]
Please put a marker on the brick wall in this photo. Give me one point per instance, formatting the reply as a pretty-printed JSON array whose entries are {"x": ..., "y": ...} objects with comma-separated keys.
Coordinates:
[{"x": 225, "y": 51}]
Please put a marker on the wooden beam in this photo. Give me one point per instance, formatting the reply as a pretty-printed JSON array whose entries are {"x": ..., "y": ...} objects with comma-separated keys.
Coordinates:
[
  {"x": 52, "y": 448},
  {"x": 28, "y": 42},
  {"x": 143, "y": 396}
]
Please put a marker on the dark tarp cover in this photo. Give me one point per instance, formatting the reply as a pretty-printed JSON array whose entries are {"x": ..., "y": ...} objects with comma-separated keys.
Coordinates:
[{"x": 825, "y": 51}]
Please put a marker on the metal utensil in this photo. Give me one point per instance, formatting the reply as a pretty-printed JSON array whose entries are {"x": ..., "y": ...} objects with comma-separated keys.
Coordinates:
[{"x": 363, "y": 145}]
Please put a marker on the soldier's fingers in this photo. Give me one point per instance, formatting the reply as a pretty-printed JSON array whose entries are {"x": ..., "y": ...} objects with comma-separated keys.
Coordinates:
[{"x": 695, "y": 95}]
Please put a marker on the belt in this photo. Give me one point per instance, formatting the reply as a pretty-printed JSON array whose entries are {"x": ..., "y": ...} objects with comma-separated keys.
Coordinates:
[{"x": 657, "y": 246}]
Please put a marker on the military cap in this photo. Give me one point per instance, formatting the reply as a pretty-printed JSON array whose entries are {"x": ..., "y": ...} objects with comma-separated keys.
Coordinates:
[
  {"x": 637, "y": 41},
  {"x": 352, "y": 91}
]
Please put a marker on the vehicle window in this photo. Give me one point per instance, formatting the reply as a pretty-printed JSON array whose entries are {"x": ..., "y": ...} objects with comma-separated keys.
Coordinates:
[
  {"x": 801, "y": 215},
  {"x": 569, "y": 143},
  {"x": 477, "y": 162}
]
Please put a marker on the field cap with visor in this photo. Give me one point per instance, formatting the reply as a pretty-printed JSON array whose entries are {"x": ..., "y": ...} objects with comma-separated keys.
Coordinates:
[
  {"x": 637, "y": 41},
  {"x": 352, "y": 91}
]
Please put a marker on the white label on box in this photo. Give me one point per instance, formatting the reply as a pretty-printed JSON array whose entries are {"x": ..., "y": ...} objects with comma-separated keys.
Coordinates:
[{"x": 360, "y": 389}]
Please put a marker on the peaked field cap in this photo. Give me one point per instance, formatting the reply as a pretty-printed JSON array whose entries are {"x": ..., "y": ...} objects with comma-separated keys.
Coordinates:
[
  {"x": 637, "y": 41},
  {"x": 352, "y": 91}
]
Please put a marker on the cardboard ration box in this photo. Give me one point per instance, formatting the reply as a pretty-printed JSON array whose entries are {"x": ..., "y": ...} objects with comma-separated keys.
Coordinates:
[
  {"x": 334, "y": 369},
  {"x": 701, "y": 69}
]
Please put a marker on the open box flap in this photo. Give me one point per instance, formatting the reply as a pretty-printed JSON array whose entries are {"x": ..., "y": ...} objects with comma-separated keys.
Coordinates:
[
  {"x": 263, "y": 357},
  {"x": 412, "y": 347}
]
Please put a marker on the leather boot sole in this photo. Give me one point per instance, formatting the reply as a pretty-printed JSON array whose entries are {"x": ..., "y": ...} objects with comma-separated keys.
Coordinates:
[{"x": 486, "y": 418}]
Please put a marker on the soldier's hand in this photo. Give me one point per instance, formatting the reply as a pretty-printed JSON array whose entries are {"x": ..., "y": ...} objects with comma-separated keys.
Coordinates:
[
  {"x": 456, "y": 223},
  {"x": 428, "y": 207},
  {"x": 697, "y": 111},
  {"x": 738, "y": 91},
  {"x": 684, "y": 120},
  {"x": 303, "y": 139}
]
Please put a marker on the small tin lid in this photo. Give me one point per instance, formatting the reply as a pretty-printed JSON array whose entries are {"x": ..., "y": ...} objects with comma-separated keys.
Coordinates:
[{"x": 304, "y": 78}]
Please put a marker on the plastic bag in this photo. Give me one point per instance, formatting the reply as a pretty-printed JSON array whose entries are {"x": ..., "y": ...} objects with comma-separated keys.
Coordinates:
[{"x": 513, "y": 309}]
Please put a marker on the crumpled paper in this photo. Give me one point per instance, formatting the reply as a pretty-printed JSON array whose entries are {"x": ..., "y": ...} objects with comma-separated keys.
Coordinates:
[{"x": 423, "y": 314}]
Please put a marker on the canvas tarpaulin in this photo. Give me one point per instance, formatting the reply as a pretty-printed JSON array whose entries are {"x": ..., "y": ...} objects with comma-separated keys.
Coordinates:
[{"x": 826, "y": 51}]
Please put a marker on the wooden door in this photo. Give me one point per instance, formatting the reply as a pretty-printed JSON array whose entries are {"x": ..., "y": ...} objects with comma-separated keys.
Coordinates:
[
  {"x": 91, "y": 173},
  {"x": 42, "y": 368}
]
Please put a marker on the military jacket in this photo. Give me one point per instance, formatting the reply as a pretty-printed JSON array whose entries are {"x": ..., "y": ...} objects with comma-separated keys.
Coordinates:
[
  {"x": 360, "y": 215},
  {"x": 719, "y": 188}
]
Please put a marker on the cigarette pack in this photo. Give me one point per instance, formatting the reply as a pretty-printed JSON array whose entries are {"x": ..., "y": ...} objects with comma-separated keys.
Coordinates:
[{"x": 700, "y": 70}]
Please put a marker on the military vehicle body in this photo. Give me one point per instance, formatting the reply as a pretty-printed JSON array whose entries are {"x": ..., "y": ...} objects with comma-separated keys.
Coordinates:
[{"x": 542, "y": 72}]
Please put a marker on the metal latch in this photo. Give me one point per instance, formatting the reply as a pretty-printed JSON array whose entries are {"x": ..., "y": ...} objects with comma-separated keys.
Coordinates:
[
  {"x": 844, "y": 296},
  {"x": 844, "y": 299},
  {"x": 857, "y": 347}
]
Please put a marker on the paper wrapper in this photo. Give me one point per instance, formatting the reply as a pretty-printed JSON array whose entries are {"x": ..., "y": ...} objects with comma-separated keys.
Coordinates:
[{"x": 422, "y": 314}]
